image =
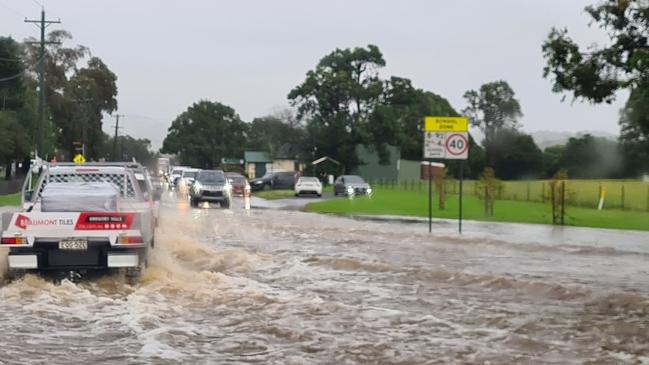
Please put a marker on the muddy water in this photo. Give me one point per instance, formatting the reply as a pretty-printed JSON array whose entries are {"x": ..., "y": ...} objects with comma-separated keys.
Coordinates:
[{"x": 281, "y": 287}]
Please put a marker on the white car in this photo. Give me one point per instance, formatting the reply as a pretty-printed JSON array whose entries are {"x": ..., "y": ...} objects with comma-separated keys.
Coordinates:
[
  {"x": 186, "y": 180},
  {"x": 176, "y": 174},
  {"x": 308, "y": 185}
]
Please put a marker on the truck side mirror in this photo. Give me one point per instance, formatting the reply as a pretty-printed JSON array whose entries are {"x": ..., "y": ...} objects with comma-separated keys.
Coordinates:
[{"x": 28, "y": 195}]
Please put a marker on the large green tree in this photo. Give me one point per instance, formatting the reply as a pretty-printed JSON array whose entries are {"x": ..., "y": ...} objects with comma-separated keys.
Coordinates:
[
  {"x": 515, "y": 155},
  {"x": 12, "y": 75},
  {"x": 278, "y": 137},
  {"x": 129, "y": 148},
  {"x": 90, "y": 92},
  {"x": 589, "y": 157},
  {"x": 398, "y": 119},
  {"x": 17, "y": 107},
  {"x": 492, "y": 108},
  {"x": 205, "y": 133},
  {"x": 77, "y": 95},
  {"x": 596, "y": 72},
  {"x": 14, "y": 142},
  {"x": 337, "y": 99}
]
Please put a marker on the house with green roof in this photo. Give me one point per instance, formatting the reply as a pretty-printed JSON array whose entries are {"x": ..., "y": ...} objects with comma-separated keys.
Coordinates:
[{"x": 258, "y": 163}]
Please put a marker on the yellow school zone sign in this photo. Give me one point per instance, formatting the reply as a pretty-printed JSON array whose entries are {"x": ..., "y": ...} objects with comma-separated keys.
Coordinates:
[
  {"x": 446, "y": 124},
  {"x": 79, "y": 159}
]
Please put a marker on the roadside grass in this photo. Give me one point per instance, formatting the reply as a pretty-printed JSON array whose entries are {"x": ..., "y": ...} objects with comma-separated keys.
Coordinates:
[
  {"x": 274, "y": 194},
  {"x": 411, "y": 203},
  {"x": 284, "y": 194},
  {"x": 620, "y": 194},
  {"x": 10, "y": 200}
]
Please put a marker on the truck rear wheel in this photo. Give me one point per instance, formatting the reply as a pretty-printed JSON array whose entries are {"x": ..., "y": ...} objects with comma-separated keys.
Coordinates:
[{"x": 15, "y": 274}]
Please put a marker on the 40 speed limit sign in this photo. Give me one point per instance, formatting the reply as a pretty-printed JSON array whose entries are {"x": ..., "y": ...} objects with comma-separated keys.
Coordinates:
[
  {"x": 445, "y": 145},
  {"x": 446, "y": 138}
]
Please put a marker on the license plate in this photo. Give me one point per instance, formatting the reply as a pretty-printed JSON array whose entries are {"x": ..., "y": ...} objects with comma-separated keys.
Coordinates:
[{"x": 73, "y": 245}]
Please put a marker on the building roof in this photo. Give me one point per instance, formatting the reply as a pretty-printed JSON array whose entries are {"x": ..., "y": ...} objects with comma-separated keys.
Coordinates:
[
  {"x": 323, "y": 159},
  {"x": 256, "y": 156}
]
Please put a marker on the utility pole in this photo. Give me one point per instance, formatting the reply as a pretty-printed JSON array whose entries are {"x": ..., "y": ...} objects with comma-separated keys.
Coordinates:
[
  {"x": 84, "y": 126},
  {"x": 42, "y": 24},
  {"x": 115, "y": 138}
]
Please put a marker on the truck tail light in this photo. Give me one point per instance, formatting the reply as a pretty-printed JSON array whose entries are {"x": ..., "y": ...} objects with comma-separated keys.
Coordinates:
[
  {"x": 14, "y": 241},
  {"x": 129, "y": 240}
]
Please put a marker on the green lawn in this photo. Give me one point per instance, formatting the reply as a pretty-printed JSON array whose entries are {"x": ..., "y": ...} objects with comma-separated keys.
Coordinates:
[
  {"x": 11, "y": 199},
  {"x": 409, "y": 203},
  {"x": 284, "y": 194},
  {"x": 627, "y": 194},
  {"x": 274, "y": 194}
]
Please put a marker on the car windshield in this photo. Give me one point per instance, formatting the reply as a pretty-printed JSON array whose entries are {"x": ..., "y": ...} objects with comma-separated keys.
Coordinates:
[
  {"x": 176, "y": 172},
  {"x": 191, "y": 174},
  {"x": 211, "y": 177},
  {"x": 354, "y": 179}
]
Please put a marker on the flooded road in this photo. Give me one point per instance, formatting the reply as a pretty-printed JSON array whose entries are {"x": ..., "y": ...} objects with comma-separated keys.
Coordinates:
[{"x": 285, "y": 287}]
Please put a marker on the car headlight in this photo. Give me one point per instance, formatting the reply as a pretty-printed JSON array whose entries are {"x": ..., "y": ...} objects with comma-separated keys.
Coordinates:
[
  {"x": 258, "y": 182},
  {"x": 350, "y": 189},
  {"x": 197, "y": 186},
  {"x": 227, "y": 187},
  {"x": 369, "y": 190}
]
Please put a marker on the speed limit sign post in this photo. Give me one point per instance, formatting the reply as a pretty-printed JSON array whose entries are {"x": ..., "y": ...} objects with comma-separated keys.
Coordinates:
[{"x": 446, "y": 138}]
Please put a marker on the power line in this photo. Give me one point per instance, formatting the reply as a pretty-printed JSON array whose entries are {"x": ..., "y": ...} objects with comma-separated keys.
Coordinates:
[
  {"x": 13, "y": 10},
  {"x": 12, "y": 77}
]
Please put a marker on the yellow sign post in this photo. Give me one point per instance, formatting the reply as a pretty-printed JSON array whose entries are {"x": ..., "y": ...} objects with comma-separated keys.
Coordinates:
[
  {"x": 446, "y": 124},
  {"x": 446, "y": 138},
  {"x": 79, "y": 159}
]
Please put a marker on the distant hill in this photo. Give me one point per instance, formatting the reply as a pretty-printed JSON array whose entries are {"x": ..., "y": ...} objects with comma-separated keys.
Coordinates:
[{"x": 551, "y": 138}]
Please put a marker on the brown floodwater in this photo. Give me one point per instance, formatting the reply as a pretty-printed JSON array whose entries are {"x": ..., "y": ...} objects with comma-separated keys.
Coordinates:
[{"x": 285, "y": 287}]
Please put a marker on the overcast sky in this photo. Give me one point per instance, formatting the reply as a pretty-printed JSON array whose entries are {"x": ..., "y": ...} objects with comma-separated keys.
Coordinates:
[{"x": 249, "y": 54}]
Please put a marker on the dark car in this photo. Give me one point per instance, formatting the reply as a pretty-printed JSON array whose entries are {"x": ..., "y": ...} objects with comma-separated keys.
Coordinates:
[
  {"x": 350, "y": 185},
  {"x": 211, "y": 186},
  {"x": 240, "y": 185},
  {"x": 275, "y": 180}
]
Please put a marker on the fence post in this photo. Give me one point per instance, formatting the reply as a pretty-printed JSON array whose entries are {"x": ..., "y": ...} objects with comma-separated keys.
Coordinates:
[
  {"x": 647, "y": 198},
  {"x": 528, "y": 191},
  {"x": 543, "y": 192},
  {"x": 622, "y": 196},
  {"x": 599, "y": 195},
  {"x": 563, "y": 201},
  {"x": 553, "y": 202},
  {"x": 486, "y": 201}
]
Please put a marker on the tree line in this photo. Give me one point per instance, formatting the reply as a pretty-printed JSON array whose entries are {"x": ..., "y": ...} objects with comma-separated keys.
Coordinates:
[
  {"x": 343, "y": 103},
  {"x": 80, "y": 89}
]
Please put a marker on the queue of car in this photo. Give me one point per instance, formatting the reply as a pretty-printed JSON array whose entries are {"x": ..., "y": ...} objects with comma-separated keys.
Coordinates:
[{"x": 233, "y": 184}]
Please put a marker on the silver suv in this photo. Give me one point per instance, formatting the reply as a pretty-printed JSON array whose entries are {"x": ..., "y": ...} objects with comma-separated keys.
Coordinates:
[{"x": 211, "y": 186}]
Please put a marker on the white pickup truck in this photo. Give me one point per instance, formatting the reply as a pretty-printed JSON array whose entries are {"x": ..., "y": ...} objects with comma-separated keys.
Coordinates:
[{"x": 80, "y": 218}]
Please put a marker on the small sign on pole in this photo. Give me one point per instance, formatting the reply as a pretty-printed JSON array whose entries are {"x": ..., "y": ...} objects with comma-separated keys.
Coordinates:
[
  {"x": 79, "y": 159},
  {"x": 446, "y": 138}
]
